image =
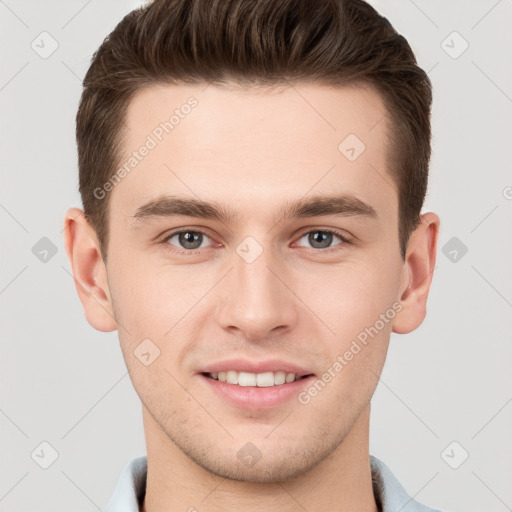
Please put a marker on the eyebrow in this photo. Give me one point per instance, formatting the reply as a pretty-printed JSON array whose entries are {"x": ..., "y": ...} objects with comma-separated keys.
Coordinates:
[{"x": 169, "y": 205}]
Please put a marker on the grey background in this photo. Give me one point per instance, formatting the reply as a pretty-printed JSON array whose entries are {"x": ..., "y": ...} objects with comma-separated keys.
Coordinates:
[{"x": 64, "y": 383}]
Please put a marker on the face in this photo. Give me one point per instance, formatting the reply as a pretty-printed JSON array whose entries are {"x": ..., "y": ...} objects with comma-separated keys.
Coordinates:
[{"x": 292, "y": 266}]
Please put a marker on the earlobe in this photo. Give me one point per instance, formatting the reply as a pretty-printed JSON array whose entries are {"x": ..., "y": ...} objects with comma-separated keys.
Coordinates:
[
  {"x": 89, "y": 271},
  {"x": 419, "y": 264}
]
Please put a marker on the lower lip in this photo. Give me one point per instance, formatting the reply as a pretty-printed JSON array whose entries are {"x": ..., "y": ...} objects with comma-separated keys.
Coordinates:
[{"x": 253, "y": 397}]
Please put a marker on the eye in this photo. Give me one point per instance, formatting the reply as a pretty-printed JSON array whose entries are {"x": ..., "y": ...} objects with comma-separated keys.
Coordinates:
[
  {"x": 323, "y": 238},
  {"x": 187, "y": 239},
  {"x": 191, "y": 240}
]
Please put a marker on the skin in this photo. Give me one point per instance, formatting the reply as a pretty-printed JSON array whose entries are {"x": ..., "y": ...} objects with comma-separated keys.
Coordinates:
[{"x": 254, "y": 152}]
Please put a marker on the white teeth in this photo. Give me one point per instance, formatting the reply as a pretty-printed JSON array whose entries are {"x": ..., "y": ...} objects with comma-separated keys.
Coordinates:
[
  {"x": 279, "y": 378},
  {"x": 246, "y": 379},
  {"x": 265, "y": 380},
  {"x": 260, "y": 380},
  {"x": 232, "y": 377}
]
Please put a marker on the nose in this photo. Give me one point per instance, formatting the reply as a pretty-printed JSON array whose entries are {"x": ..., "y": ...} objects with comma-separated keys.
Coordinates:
[{"x": 255, "y": 301}]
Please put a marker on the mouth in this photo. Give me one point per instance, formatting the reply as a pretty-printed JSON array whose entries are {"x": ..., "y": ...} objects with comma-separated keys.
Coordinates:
[
  {"x": 255, "y": 385},
  {"x": 260, "y": 380},
  {"x": 255, "y": 391}
]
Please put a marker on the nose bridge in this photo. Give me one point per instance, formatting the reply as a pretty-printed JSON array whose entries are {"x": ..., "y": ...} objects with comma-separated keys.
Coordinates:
[{"x": 256, "y": 301}]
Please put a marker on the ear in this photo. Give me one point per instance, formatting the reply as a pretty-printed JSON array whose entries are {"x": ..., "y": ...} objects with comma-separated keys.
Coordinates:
[
  {"x": 418, "y": 269},
  {"x": 89, "y": 271}
]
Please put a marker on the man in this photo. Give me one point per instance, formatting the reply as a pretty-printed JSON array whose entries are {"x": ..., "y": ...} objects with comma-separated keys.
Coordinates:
[{"x": 252, "y": 176}]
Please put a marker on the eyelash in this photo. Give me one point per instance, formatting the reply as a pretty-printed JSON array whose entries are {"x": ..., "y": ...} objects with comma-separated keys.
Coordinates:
[{"x": 176, "y": 250}]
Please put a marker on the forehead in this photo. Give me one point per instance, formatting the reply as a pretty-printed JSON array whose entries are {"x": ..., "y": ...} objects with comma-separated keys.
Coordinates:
[{"x": 242, "y": 145}]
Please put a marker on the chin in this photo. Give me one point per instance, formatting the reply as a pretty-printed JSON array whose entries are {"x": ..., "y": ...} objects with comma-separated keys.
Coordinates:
[{"x": 271, "y": 464}]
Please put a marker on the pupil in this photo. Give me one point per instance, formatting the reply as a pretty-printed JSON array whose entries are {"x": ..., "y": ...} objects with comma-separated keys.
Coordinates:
[
  {"x": 321, "y": 237},
  {"x": 190, "y": 240}
]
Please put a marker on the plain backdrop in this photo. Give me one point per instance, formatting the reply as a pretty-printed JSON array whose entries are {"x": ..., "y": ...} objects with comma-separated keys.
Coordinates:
[{"x": 445, "y": 392}]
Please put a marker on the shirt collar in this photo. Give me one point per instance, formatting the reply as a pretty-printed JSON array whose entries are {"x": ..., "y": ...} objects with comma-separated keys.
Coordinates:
[{"x": 389, "y": 494}]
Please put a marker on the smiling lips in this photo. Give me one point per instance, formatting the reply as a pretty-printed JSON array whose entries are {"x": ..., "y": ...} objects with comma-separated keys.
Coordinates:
[
  {"x": 256, "y": 385},
  {"x": 261, "y": 374},
  {"x": 260, "y": 380}
]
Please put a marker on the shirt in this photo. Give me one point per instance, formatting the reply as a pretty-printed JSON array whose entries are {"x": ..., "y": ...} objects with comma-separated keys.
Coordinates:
[{"x": 389, "y": 494}]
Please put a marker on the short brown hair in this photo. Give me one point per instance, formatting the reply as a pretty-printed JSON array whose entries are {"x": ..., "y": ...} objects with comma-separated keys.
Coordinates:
[{"x": 254, "y": 43}]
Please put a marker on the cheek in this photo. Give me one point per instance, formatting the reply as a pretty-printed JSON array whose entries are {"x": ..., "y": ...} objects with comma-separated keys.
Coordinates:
[
  {"x": 150, "y": 301},
  {"x": 154, "y": 309},
  {"x": 350, "y": 297},
  {"x": 356, "y": 302}
]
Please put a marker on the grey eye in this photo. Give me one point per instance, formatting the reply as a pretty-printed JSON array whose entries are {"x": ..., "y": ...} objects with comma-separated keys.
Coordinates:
[
  {"x": 189, "y": 239},
  {"x": 320, "y": 239}
]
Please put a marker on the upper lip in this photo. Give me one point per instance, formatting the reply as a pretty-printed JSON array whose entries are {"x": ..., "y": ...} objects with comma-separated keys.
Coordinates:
[{"x": 245, "y": 365}]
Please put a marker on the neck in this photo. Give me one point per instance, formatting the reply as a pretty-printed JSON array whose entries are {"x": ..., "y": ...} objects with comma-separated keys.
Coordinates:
[{"x": 342, "y": 481}]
